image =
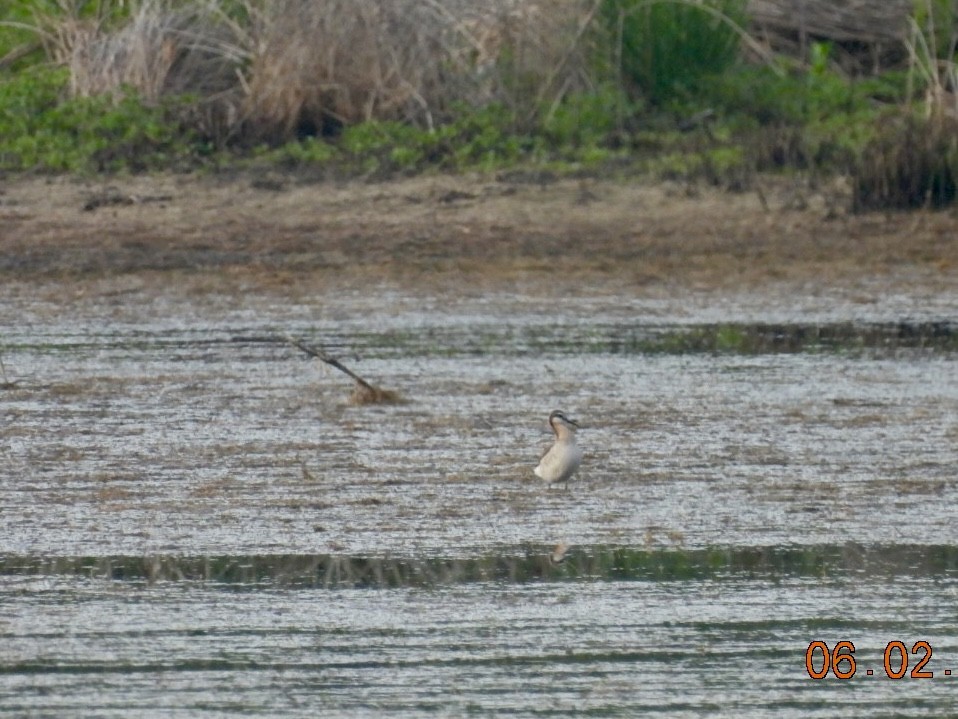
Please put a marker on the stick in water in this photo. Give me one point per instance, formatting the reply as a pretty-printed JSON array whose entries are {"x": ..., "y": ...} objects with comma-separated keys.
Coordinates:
[{"x": 364, "y": 392}]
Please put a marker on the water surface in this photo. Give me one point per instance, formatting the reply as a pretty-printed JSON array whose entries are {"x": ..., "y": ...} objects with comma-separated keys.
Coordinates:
[{"x": 197, "y": 522}]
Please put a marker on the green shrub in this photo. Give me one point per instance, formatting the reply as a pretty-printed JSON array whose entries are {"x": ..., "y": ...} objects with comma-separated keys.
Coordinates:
[
  {"x": 776, "y": 97},
  {"x": 372, "y": 137},
  {"x": 39, "y": 129},
  {"x": 816, "y": 119},
  {"x": 385, "y": 147},
  {"x": 667, "y": 48},
  {"x": 587, "y": 119},
  {"x": 311, "y": 151},
  {"x": 485, "y": 137}
]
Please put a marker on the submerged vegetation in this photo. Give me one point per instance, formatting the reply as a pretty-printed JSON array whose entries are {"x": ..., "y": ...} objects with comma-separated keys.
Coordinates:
[
  {"x": 688, "y": 88},
  {"x": 513, "y": 565},
  {"x": 872, "y": 339}
]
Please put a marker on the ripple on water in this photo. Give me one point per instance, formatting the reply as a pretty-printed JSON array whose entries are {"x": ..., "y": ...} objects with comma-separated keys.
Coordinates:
[
  {"x": 196, "y": 521},
  {"x": 716, "y": 642}
]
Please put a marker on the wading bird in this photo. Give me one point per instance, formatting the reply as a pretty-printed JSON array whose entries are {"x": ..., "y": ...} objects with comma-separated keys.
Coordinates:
[{"x": 563, "y": 458}]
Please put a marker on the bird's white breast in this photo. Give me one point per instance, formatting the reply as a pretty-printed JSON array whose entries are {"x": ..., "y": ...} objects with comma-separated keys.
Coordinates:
[{"x": 560, "y": 462}]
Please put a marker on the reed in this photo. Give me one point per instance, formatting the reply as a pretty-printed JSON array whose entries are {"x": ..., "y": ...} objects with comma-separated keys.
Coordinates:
[
  {"x": 274, "y": 71},
  {"x": 319, "y": 66},
  {"x": 913, "y": 162}
]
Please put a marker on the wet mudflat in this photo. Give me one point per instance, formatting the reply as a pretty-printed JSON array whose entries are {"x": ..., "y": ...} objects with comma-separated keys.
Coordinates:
[{"x": 196, "y": 521}]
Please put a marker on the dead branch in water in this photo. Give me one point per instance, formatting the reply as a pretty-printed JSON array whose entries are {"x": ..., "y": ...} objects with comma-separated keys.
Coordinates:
[{"x": 364, "y": 392}]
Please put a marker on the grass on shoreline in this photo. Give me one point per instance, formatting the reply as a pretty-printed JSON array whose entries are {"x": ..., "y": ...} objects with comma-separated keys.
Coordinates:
[{"x": 452, "y": 86}]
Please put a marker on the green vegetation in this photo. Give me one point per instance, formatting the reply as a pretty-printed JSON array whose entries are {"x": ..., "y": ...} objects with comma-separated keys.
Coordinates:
[
  {"x": 670, "y": 49},
  {"x": 103, "y": 133},
  {"x": 675, "y": 88},
  {"x": 512, "y": 565}
]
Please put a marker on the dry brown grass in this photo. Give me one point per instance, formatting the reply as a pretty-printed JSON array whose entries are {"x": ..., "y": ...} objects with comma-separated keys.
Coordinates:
[
  {"x": 162, "y": 49},
  {"x": 273, "y": 70},
  {"x": 345, "y": 61},
  {"x": 913, "y": 164}
]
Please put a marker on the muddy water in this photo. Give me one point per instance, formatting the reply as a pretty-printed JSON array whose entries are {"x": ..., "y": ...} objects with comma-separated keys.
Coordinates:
[{"x": 196, "y": 521}]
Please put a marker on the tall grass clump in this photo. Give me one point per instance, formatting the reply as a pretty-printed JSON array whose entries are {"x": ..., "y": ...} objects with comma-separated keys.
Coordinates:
[
  {"x": 666, "y": 48},
  {"x": 933, "y": 65},
  {"x": 913, "y": 162},
  {"x": 936, "y": 22},
  {"x": 162, "y": 49},
  {"x": 271, "y": 71},
  {"x": 318, "y": 66},
  {"x": 161, "y": 52}
]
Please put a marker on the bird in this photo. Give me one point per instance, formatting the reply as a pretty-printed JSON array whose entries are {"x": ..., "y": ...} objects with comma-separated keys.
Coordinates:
[
  {"x": 563, "y": 458},
  {"x": 560, "y": 553}
]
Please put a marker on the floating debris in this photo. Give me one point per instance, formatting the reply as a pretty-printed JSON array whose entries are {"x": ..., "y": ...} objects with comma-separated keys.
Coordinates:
[{"x": 364, "y": 392}]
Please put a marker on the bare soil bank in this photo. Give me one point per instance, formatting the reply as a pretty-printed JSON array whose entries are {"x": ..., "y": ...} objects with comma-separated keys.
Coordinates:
[{"x": 464, "y": 228}]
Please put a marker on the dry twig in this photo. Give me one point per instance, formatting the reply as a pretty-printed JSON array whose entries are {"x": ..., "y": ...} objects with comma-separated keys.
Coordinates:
[{"x": 364, "y": 392}]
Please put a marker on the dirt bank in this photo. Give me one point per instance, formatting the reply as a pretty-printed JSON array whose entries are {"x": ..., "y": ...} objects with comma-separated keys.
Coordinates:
[{"x": 484, "y": 229}]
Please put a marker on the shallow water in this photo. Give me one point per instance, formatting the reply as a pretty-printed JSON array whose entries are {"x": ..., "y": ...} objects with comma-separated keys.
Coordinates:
[
  {"x": 196, "y": 521},
  {"x": 729, "y": 644}
]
